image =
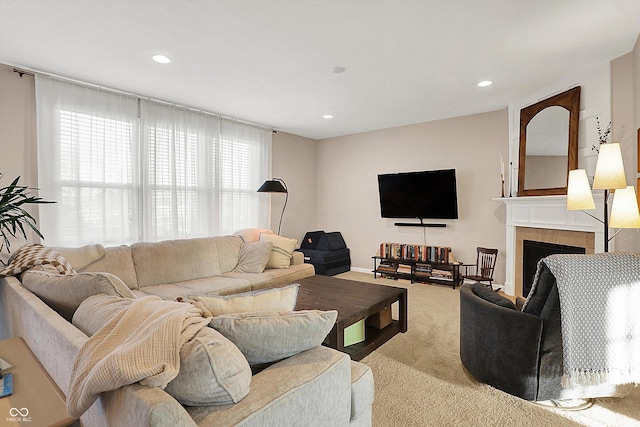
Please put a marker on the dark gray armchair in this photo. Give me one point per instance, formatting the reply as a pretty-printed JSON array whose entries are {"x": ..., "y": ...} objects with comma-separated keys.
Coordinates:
[{"x": 519, "y": 352}]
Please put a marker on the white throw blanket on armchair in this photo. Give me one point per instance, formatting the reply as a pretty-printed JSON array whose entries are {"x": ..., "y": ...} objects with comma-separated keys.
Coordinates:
[
  {"x": 140, "y": 344},
  {"x": 600, "y": 317}
]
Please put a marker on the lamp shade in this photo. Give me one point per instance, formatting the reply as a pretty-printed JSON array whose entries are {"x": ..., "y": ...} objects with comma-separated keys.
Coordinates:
[
  {"x": 624, "y": 210},
  {"x": 609, "y": 169},
  {"x": 272, "y": 186},
  {"x": 579, "y": 195}
]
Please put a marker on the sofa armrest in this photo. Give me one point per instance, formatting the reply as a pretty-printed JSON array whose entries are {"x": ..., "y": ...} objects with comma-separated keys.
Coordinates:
[
  {"x": 310, "y": 386},
  {"x": 297, "y": 258},
  {"x": 499, "y": 346},
  {"x": 54, "y": 341},
  {"x": 138, "y": 405}
]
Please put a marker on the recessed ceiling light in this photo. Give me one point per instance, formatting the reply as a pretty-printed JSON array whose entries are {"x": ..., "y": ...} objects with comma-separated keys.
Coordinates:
[
  {"x": 485, "y": 83},
  {"x": 327, "y": 116},
  {"x": 339, "y": 70},
  {"x": 162, "y": 59}
]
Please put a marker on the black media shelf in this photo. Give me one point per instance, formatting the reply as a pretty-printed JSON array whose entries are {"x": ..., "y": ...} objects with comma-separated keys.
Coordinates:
[{"x": 388, "y": 267}]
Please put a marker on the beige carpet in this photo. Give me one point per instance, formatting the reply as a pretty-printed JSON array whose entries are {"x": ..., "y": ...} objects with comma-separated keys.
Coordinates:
[{"x": 420, "y": 380}]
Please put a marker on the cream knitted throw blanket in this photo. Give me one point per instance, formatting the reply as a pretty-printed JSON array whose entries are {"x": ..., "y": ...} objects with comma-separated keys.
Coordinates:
[
  {"x": 140, "y": 344},
  {"x": 600, "y": 317}
]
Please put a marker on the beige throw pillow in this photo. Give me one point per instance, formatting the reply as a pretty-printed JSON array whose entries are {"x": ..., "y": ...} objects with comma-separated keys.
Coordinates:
[
  {"x": 213, "y": 371},
  {"x": 65, "y": 293},
  {"x": 96, "y": 311},
  {"x": 267, "y": 336},
  {"x": 282, "y": 250},
  {"x": 274, "y": 299},
  {"x": 253, "y": 257}
]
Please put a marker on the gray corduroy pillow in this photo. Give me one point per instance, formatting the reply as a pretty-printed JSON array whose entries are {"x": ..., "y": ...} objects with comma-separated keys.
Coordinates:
[{"x": 269, "y": 336}]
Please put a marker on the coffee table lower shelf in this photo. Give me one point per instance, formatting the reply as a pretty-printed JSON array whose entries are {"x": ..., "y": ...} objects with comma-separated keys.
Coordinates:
[
  {"x": 374, "y": 338},
  {"x": 355, "y": 301}
]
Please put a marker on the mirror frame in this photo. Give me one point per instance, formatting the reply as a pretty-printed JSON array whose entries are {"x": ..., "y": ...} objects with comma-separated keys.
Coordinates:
[{"x": 569, "y": 100}]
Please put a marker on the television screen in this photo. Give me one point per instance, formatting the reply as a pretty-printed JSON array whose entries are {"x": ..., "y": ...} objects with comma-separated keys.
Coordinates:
[{"x": 427, "y": 194}]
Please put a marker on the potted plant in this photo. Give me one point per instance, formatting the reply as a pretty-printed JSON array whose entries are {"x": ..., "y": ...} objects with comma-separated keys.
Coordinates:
[{"x": 13, "y": 217}]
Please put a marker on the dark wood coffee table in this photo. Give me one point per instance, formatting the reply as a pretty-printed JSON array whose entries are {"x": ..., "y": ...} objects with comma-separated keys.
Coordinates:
[{"x": 354, "y": 301}]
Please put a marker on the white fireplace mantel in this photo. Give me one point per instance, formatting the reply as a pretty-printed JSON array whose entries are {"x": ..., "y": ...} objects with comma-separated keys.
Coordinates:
[{"x": 547, "y": 212}]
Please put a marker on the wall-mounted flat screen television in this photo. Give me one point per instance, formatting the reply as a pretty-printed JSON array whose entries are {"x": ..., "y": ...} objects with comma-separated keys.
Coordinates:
[{"x": 427, "y": 194}]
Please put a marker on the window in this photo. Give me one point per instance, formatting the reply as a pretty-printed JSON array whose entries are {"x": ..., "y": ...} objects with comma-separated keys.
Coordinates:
[{"x": 124, "y": 170}]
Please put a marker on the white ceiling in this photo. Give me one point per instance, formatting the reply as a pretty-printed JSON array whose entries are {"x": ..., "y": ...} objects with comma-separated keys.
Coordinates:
[{"x": 271, "y": 62}]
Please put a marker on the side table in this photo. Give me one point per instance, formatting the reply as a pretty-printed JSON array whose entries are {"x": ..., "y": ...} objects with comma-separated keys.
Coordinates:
[{"x": 36, "y": 400}]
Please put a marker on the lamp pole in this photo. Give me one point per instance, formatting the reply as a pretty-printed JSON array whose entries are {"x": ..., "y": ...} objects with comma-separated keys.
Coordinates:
[{"x": 606, "y": 220}]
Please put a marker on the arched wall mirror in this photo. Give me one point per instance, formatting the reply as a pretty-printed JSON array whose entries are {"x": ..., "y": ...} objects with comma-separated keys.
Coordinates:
[{"x": 548, "y": 144}]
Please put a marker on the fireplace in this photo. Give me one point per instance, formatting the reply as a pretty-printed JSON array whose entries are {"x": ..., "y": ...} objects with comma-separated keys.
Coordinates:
[
  {"x": 546, "y": 219},
  {"x": 533, "y": 251}
]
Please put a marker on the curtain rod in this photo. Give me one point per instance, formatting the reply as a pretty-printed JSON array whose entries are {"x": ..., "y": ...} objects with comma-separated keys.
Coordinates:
[{"x": 32, "y": 73}]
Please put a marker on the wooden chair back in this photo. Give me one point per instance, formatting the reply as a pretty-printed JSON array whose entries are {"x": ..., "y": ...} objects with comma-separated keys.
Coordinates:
[{"x": 486, "y": 262}]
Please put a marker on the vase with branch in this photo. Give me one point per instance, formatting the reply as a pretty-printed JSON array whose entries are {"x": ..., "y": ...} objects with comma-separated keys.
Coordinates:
[{"x": 603, "y": 135}]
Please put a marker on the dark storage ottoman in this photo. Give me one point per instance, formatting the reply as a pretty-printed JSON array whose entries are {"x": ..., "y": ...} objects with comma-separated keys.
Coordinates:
[{"x": 327, "y": 252}]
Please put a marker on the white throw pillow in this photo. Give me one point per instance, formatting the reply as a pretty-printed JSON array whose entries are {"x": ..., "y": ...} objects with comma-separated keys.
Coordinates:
[
  {"x": 250, "y": 235},
  {"x": 84, "y": 256},
  {"x": 267, "y": 336},
  {"x": 273, "y": 299},
  {"x": 282, "y": 250},
  {"x": 65, "y": 293},
  {"x": 253, "y": 257}
]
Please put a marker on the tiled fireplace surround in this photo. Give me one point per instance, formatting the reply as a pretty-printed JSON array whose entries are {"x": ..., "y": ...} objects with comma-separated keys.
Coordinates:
[{"x": 546, "y": 219}]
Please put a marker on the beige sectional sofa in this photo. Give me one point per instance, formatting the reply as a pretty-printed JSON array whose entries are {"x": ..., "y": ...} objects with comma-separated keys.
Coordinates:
[{"x": 319, "y": 386}]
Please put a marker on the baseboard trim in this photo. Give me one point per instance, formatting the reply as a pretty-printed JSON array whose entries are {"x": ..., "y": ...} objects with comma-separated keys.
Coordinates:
[{"x": 361, "y": 270}]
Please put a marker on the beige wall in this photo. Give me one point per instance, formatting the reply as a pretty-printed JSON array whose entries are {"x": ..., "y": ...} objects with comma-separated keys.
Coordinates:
[
  {"x": 623, "y": 80},
  {"x": 348, "y": 191},
  {"x": 17, "y": 126},
  {"x": 294, "y": 160},
  {"x": 17, "y": 132}
]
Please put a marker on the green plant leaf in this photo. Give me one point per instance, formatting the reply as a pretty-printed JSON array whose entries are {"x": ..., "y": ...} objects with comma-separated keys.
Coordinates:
[{"x": 13, "y": 217}]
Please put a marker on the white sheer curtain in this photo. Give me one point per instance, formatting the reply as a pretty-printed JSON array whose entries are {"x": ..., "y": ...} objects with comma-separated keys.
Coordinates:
[
  {"x": 88, "y": 163},
  {"x": 243, "y": 158},
  {"x": 124, "y": 170}
]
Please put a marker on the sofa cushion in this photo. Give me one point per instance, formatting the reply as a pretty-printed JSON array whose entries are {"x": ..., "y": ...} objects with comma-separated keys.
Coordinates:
[
  {"x": 282, "y": 250},
  {"x": 275, "y": 277},
  {"x": 218, "y": 285},
  {"x": 311, "y": 239},
  {"x": 96, "y": 311},
  {"x": 331, "y": 241},
  {"x": 250, "y": 235},
  {"x": 276, "y": 299},
  {"x": 268, "y": 336},
  {"x": 488, "y": 294},
  {"x": 33, "y": 254},
  {"x": 118, "y": 261},
  {"x": 362, "y": 390},
  {"x": 64, "y": 293},
  {"x": 228, "y": 251},
  {"x": 173, "y": 261},
  {"x": 81, "y": 257},
  {"x": 213, "y": 371},
  {"x": 254, "y": 257},
  {"x": 540, "y": 291}
]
